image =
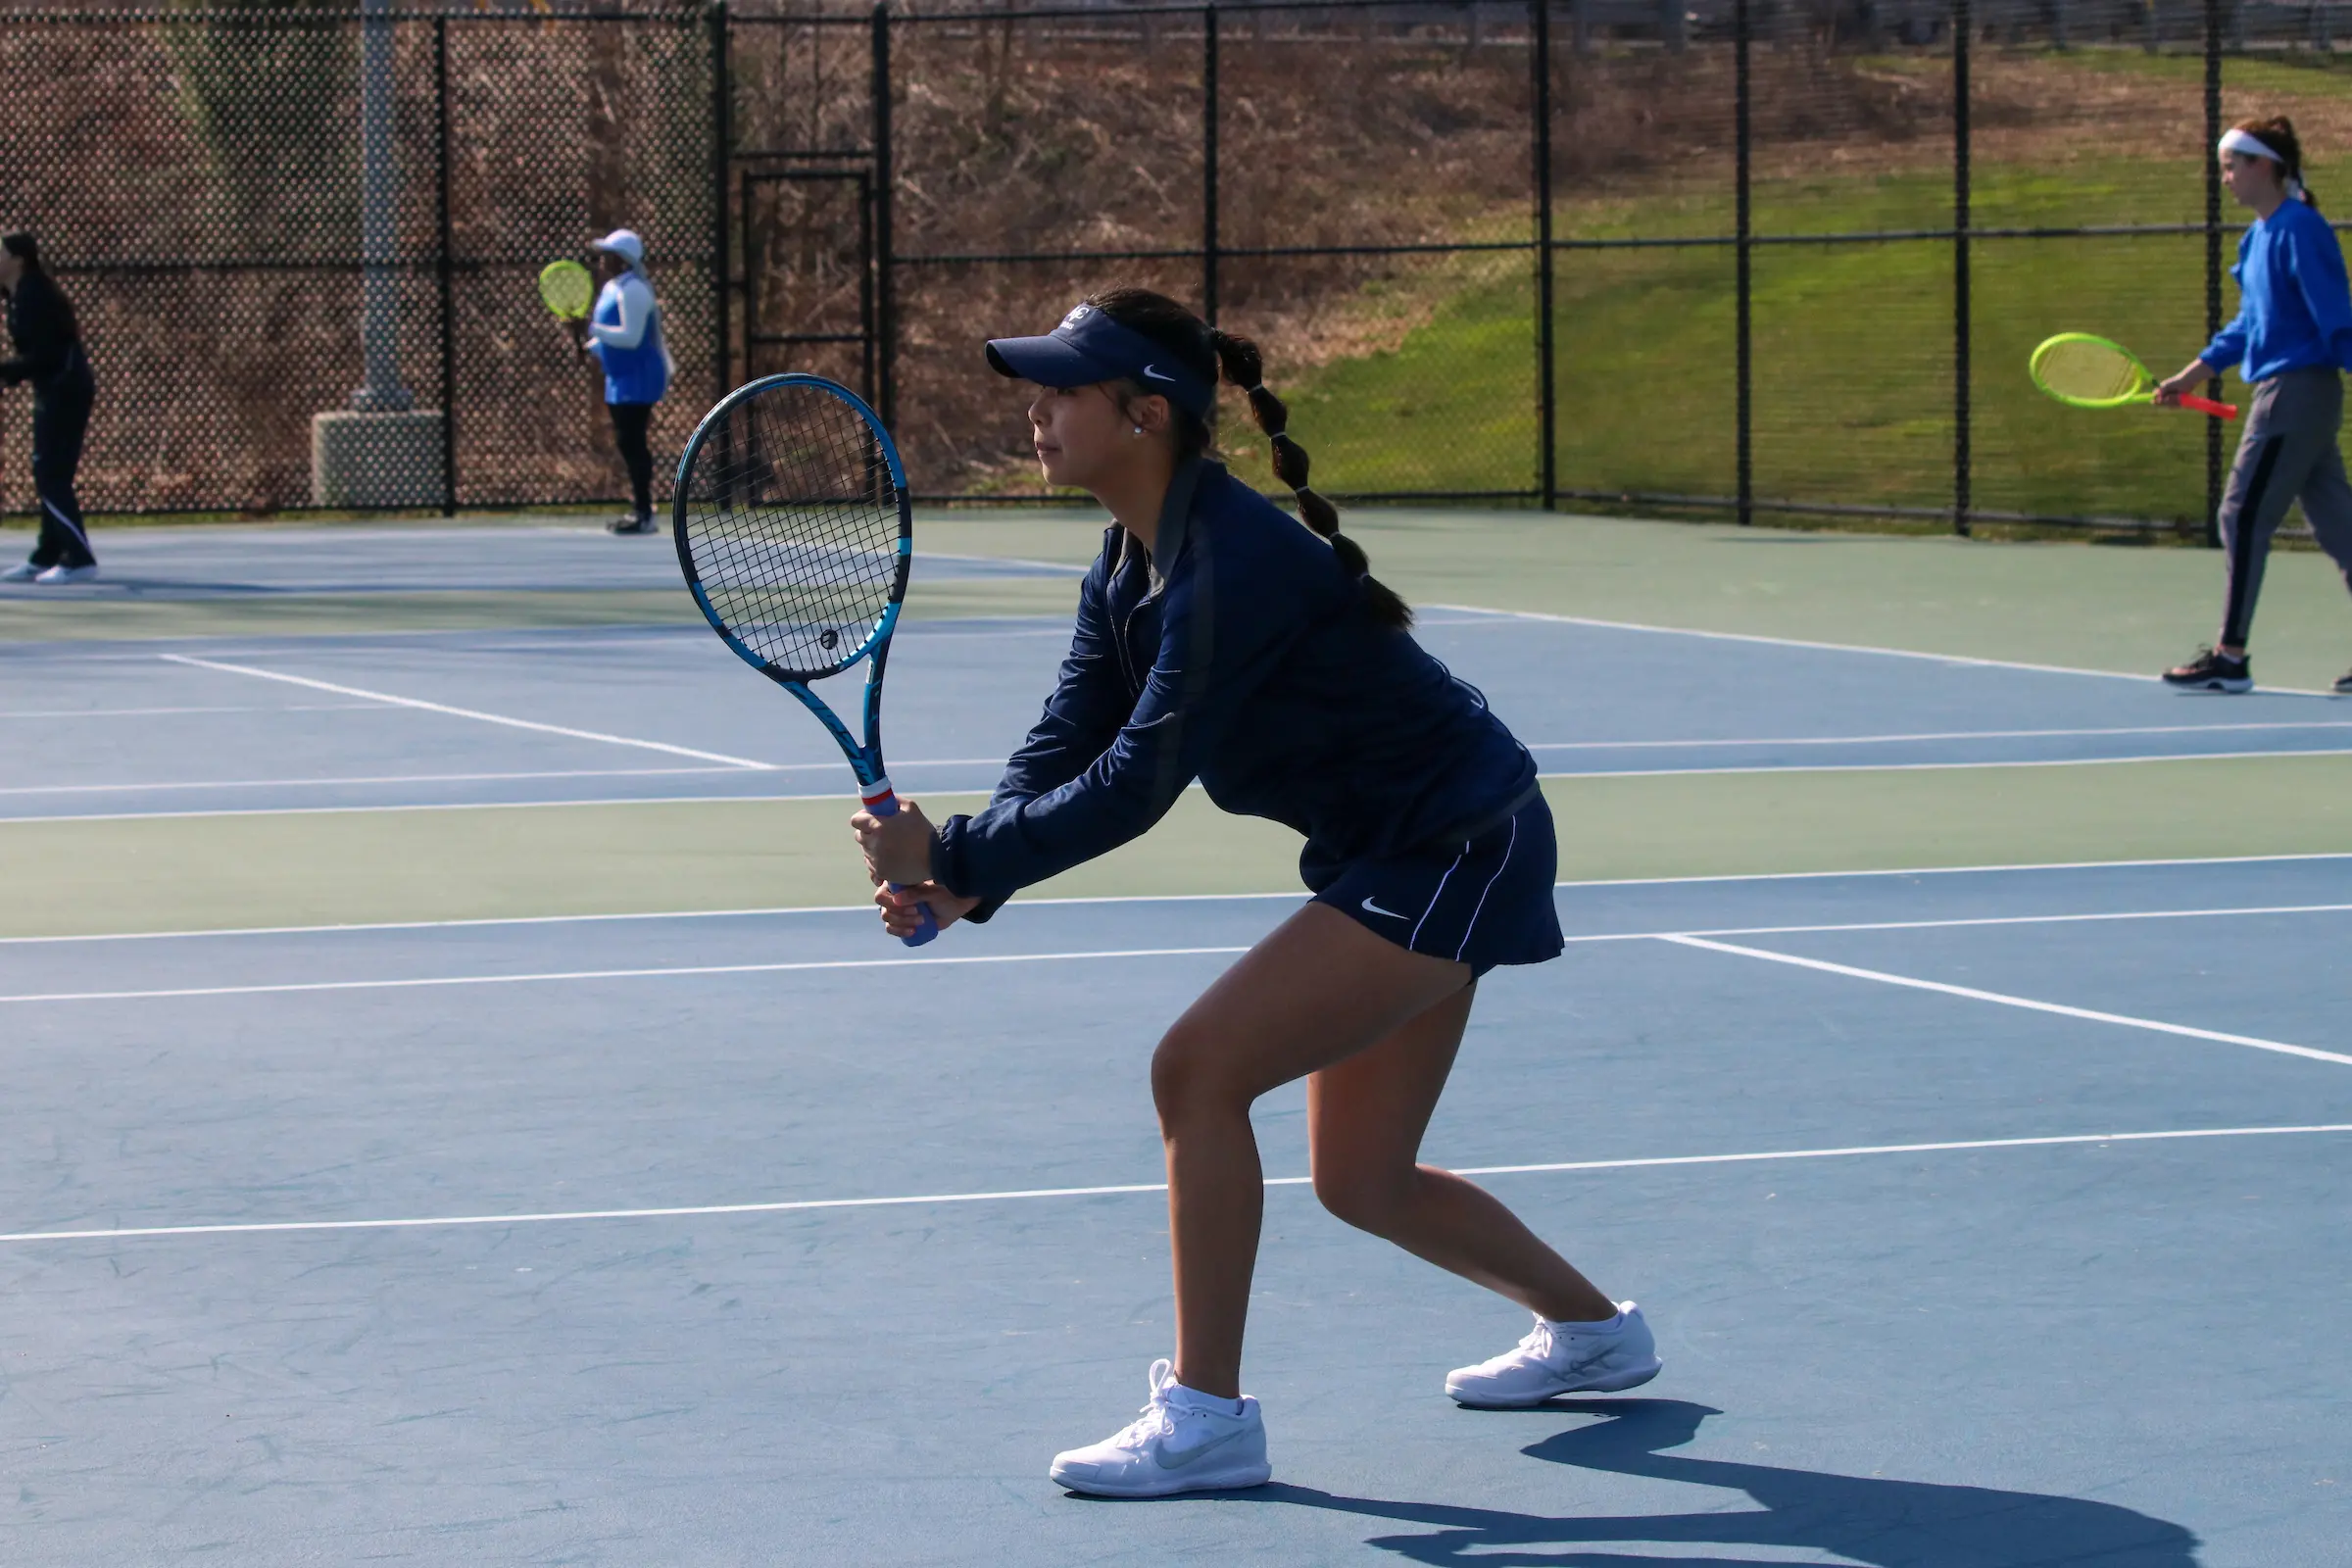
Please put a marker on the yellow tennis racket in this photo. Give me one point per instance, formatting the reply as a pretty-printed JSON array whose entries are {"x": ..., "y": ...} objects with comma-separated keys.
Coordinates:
[
  {"x": 2092, "y": 373},
  {"x": 566, "y": 289}
]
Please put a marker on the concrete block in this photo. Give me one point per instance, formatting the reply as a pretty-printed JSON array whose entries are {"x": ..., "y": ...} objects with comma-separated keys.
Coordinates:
[{"x": 369, "y": 461}]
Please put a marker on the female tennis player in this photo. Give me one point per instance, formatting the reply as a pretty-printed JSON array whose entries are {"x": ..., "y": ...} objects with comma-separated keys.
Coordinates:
[
  {"x": 624, "y": 333},
  {"x": 47, "y": 339},
  {"x": 2293, "y": 335},
  {"x": 1220, "y": 640}
]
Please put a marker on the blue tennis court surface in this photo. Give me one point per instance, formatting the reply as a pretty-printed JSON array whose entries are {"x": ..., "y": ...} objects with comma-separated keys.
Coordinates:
[{"x": 1986, "y": 1217}]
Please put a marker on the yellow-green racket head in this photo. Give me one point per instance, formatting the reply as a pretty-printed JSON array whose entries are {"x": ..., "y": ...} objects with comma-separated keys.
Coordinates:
[
  {"x": 2090, "y": 372},
  {"x": 567, "y": 288}
]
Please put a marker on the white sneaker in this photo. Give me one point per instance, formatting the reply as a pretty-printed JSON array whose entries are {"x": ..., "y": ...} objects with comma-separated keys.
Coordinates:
[
  {"x": 1174, "y": 1446},
  {"x": 22, "y": 572},
  {"x": 63, "y": 574},
  {"x": 1562, "y": 1358}
]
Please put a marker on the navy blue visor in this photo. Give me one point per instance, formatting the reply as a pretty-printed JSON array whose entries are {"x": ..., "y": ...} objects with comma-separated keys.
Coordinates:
[{"x": 1090, "y": 346}]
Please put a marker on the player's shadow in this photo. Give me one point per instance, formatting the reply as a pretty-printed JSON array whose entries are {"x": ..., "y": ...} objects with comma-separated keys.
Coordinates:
[{"x": 1863, "y": 1519}]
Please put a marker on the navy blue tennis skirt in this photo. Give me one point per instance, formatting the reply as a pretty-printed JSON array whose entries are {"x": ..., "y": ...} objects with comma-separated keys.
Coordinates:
[{"x": 1482, "y": 903}]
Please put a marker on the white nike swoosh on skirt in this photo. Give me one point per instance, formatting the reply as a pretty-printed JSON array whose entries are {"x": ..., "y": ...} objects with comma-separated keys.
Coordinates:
[{"x": 1391, "y": 913}]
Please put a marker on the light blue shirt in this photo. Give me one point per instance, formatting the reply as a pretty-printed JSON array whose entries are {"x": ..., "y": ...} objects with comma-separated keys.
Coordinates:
[{"x": 627, "y": 333}]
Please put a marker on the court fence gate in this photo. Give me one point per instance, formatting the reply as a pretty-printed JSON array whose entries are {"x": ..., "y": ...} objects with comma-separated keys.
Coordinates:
[{"x": 1707, "y": 258}]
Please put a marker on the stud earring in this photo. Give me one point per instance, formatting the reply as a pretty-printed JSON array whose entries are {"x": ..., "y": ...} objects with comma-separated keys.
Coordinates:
[{"x": 1139, "y": 430}]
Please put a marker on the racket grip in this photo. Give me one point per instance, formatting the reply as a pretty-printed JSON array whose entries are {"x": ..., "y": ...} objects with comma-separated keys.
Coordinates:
[
  {"x": 2220, "y": 410},
  {"x": 886, "y": 803}
]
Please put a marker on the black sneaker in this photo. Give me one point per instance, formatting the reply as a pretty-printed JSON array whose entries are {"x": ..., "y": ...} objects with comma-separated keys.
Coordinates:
[
  {"x": 633, "y": 523},
  {"x": 2343, "y": 684},
  {"x": 2212, "y": 671}
]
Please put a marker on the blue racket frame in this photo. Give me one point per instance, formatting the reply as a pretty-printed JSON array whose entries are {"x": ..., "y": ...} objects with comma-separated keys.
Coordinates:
[{"x": 864, "y": 755}]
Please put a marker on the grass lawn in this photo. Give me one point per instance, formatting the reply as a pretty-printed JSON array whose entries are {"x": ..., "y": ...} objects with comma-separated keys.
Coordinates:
[{"x": 1852, "y": 343}]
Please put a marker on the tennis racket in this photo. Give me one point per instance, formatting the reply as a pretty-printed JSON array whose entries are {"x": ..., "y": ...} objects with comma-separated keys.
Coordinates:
[
  {"x": 2092, "y": 373},
  {"x": 794, "y": 535},
  {"x": 566, "y": 289}
]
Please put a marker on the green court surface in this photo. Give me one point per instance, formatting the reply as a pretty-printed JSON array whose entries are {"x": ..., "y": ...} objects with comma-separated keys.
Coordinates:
[
  {"x": 2131, "y": 608},
  {"x": 2074, "y": 606},
  {"x": 457, "y": 609},
  {"x": 274, "y": 868}
]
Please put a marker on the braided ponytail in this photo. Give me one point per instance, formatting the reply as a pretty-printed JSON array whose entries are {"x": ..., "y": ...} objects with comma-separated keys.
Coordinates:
[
  {"x": 1245, "y": 367},
  {"x": 1209, "y": 351}
]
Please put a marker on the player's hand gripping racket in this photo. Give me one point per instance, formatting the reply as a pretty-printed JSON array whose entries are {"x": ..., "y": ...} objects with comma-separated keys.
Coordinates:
[
  {"x": 795, "y": 534},
  {"x": 2092, "y": 373},
  {"x": 566, "y": 289}
]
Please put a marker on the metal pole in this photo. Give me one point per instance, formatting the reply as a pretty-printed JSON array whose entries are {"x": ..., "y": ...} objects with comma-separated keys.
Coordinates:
[
  {"x": 886, "y": 322},
  {"x": 1963, "y": 23},
  {"x": 445, "y": 267},
  {"x": 1547, "y": 447},
  {"x": 1744, "y": 248},
  {"x": 1209, "y": 165},
  {"x": 722, "y": 94},
  {"x": 2213, "y": 260},
  {"x": 379, "y": 197}
]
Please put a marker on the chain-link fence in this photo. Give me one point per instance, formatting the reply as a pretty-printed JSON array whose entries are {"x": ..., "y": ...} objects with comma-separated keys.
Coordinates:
[
  {"x": 1722, "y": 256},
  {"x": 302, "y": 241}
]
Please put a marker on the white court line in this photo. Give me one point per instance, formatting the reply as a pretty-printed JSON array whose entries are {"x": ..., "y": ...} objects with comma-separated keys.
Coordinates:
[
  {"x": 1938, "y": 735},
  {"x": 1124, "y": 1189},
  {"x": 2006, "y": 1001},
  {"x": 1834, "y": 648},
  {"x": 1794, "y": 768},
  {"x": 1949, "y": 767},
  {"x": 776, "y": 910},
  {"x": 381, "y": 778},
  {"x": 613, "y": 974},
  {"x": 470, "y": 778},
  {"x": 661, "y": 972},
  {"x": 160, "y": 712},
  {"x": 462, "y": 712}
]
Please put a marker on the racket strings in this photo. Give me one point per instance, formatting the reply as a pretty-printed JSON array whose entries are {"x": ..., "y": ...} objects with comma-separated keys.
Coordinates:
[
  {"x": 793, "y": 523},
  {"x": 2088, "y": 370}
]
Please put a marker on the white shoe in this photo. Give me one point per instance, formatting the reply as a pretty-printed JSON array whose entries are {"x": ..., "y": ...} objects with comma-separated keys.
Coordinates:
[
  {"x": 22, "y": 572},
  {"x": 63, "y": 574},
  {"x": 1174, "y": 1446},
  {"x": 1562, "y": 1358}
]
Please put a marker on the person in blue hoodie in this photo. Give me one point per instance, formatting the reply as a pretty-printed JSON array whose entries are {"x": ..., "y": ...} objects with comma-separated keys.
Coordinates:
[
  {"x": 624, "y": 333},
  {"x": 1220, "y": 640},
  {"x": 2293, "y": 337}
]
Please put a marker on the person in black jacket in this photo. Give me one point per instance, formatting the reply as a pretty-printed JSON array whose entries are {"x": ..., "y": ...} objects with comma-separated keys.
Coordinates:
[{"x": 48, "y": 353}]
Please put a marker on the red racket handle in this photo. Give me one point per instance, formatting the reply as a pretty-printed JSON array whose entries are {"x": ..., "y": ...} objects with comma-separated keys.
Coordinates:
[{"x": 2220, "y": 410}]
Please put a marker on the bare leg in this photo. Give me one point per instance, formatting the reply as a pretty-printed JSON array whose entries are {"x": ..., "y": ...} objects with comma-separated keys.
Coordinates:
[
  {"x": 1365, "y": 1117},
  {"x": 1317, "y": 992}
]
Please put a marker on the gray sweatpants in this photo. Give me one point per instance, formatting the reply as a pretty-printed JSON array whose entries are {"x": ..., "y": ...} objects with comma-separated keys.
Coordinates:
[{"x": 2287, "y": 455}]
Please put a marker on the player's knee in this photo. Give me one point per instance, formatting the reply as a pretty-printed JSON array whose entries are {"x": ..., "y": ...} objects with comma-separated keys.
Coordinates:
[
  {"x": 1188, "y": 1080},
  {"x": 1365, "y": 1195}
]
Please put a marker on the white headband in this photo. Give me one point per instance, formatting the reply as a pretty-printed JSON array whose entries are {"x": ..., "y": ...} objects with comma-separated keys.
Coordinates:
[{"x": 2238, "y": 141}]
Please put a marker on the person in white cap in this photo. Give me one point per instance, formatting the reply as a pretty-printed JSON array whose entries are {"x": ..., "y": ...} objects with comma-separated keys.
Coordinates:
[
  {"x": 624, "y": 333},
  {"x": 2293, "y": 336}
]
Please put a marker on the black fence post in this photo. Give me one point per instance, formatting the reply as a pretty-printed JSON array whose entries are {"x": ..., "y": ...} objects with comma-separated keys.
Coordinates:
[
  {"x": 722, "y": 136},
  {"x": 443, "y": 267},
  {"x": 1547, "y": 449},
  {"x": 2213, "y": 260},
  {"x": 1963, "y": 23},
  {"x": 1209, "y": 165},
  {"x": 1744, "y": 247},
  {"x": 886, "y": 314}
]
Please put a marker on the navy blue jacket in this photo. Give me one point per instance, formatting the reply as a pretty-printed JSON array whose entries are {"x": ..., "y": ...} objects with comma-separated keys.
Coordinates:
[{"x": 1241, "y": 654}]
